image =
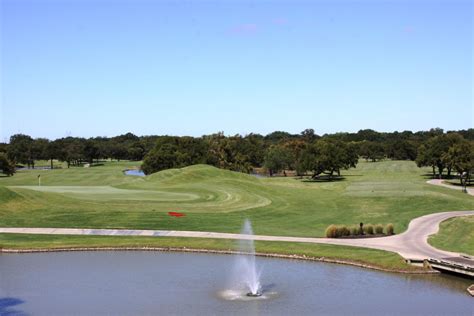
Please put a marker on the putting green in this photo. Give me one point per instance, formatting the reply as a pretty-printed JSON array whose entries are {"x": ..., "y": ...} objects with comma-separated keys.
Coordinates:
[{"x": 109, "y": 193}]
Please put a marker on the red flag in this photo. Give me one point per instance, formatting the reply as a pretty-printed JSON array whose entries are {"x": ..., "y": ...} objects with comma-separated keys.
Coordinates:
[{"x": 176, "y": 214}]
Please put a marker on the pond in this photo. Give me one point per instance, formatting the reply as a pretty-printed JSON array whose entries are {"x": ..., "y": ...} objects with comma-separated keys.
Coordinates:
[
  {"x": 140, "y": 282},
  {"x": 134, "y": 172}
]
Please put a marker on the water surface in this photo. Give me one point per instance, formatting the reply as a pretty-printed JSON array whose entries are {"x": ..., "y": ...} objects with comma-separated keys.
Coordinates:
[
  {"x": 137, "y": 282},
  {"x": 134, "y": 172}
]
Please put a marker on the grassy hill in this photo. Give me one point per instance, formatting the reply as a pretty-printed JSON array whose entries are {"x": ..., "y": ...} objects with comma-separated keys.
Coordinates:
[
  {"x": 455, "y": 234},
  {"x": 219, "y": 200}
]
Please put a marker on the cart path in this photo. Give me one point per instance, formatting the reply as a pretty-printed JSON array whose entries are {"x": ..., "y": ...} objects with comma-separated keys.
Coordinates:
[
  {"x": 439, "y": 182},
  {"x": 412, "y": 244}
]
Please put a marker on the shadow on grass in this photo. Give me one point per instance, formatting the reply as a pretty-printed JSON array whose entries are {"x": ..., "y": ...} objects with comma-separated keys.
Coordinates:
[
  {"x": 7, "y": 304},
  {"x": 429, "y": 176},
  {"x": 324, "y": 179},
  {"x": 458, "y": 184}
]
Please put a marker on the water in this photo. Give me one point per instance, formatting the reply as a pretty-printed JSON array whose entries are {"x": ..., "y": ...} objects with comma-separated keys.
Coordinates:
[
  {"x": 245, "y": 276},
  {"x": 134, "y": 172},
  {"x": 158, "y": 283}
]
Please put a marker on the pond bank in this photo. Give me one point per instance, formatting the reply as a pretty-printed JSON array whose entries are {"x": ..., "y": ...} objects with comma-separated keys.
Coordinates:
[{"x": 229, "y": 252}]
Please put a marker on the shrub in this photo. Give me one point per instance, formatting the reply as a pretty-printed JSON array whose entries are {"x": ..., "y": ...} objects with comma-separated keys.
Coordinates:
[
  {"x": 369, "y": 229},
  {"x": 354, "y": 231},
  {"x": 389, "y": 229},
  {"x": 378, "y": 229},
  {"x": 343, "y": 231},
  {"x": 331, "y": 231}
]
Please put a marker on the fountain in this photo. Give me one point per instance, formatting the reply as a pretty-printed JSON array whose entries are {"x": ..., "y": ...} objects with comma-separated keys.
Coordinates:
[
  {"x": 244, "y": 283},
  {"x": 246, "y": 273}
]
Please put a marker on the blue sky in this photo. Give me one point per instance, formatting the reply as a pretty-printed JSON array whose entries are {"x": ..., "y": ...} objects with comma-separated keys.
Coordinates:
[{"x": 103, "y": 68}]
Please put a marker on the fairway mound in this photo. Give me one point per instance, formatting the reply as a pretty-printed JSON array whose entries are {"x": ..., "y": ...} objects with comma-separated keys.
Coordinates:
[
  {"x": 218, "y": 190},
  {"x": 198, "y": 173}
]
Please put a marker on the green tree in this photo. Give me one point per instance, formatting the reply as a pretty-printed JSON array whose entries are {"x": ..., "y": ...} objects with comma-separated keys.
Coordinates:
[
  {"x": 20, "y": 149},
  {"x": 6, "y": 166},
  {"x": 71, "y": 150},
  {"x": 370, "y": 150},
  {"x": 401, "y": 150},
  {"x": 160, "y": 158},
  {"x": 91, "y": 150},
  {"x": 277, "y": 158},
  {"x": 433, "y": 152},
  {"x": 329, "y": 156},
  {"x": 460, "y": 157}
]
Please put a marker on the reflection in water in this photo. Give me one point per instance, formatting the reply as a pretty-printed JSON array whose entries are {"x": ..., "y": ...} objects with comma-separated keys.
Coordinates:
[
  {"x": 9, "y": 305},
  {"x": 136, "y": 282}
]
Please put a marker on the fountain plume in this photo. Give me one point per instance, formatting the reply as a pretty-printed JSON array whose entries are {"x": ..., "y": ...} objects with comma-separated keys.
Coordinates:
[{"x": 246, "y": 267}]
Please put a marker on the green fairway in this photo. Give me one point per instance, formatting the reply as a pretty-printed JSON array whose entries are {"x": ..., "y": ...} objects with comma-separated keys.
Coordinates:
[
  {"x": 455, "y": 234},
  {"x": 218, "y": 200}
]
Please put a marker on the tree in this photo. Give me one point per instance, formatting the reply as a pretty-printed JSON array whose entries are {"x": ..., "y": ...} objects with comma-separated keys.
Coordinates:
[
  {"x": 329, "y": 156},
  {"x": 71, "y": 150},
  {"x": 309, "y": 135},
  {"x": 232, "y": 153},
  {"x": 371, "y": 151},
  {"x": 20, "y": 149},
  {"x": 401, "y": 150},
  {"x": 160, "y": 158},
  {"x": 39, "y": 149},
  {"x": 52, "y": 151},
  {"x": 277, "y": 158},
  {"x": 3, "y": 148},
  {"x": 136, "y": 151},
  {"x": 6, "y": 166},
  {"x": 174, "y": 152},
  {"x": 460, "y": 156},
  {"x": 433, "y": 152},
  {"x": 91, "y": 150},
  {"x": 277, "y": 136},
  {"x": 296, "y": 148}
]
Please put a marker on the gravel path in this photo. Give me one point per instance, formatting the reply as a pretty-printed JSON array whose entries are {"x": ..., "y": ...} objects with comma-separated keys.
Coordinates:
[{"x": 411, "y": 244}]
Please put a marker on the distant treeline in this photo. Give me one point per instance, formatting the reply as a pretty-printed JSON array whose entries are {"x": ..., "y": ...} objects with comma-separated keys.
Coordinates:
[{"x": 276, "y": 152}]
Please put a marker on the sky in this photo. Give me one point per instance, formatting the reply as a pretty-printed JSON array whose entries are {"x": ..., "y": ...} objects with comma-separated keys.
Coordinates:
[{"x": 104, "y": 68}]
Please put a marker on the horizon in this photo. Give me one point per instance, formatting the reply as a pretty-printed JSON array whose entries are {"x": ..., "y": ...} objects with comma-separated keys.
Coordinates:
[
  {"x": 6, "y": 141},
  {"x": 85, "y": 69}
]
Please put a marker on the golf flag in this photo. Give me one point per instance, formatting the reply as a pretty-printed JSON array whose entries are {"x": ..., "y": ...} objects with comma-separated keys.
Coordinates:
[{"x": 176, "y": 214}]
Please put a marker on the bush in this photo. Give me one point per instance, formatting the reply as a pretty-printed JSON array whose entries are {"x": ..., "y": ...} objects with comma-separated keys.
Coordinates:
[
  {"x": 354, "y": 231},
  {"x": 331, "y": 231},
  {"x": 389, "y": 229},
  {"x": 343, "y": 231},
  {"x": 378, "y": 229},
  {"x": 369, "y": 229}
]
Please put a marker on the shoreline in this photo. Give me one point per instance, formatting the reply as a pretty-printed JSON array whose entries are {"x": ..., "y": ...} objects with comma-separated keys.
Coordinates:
[{"x": 223, "y": 252}]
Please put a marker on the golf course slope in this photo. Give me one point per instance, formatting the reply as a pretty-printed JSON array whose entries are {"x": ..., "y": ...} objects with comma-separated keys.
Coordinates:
[{"x": 218, "y": 200}]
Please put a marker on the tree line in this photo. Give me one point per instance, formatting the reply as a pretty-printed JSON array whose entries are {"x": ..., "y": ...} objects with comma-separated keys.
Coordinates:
[{"x": 276, "y": 152}]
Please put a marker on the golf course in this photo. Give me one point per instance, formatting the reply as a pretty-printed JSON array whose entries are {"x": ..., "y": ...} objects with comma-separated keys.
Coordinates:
[{"x": 217, "y": 200}]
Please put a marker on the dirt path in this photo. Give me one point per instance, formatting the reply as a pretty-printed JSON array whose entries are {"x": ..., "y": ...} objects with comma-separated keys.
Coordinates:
[{"x": 411, "y": 244}]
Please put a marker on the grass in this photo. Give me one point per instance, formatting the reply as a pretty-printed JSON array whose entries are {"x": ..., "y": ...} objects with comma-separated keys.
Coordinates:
[
  {"x": 455, "y": 234},
  {"x": 371, "y": 257},
  {"x": 219, "y": 200}
]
